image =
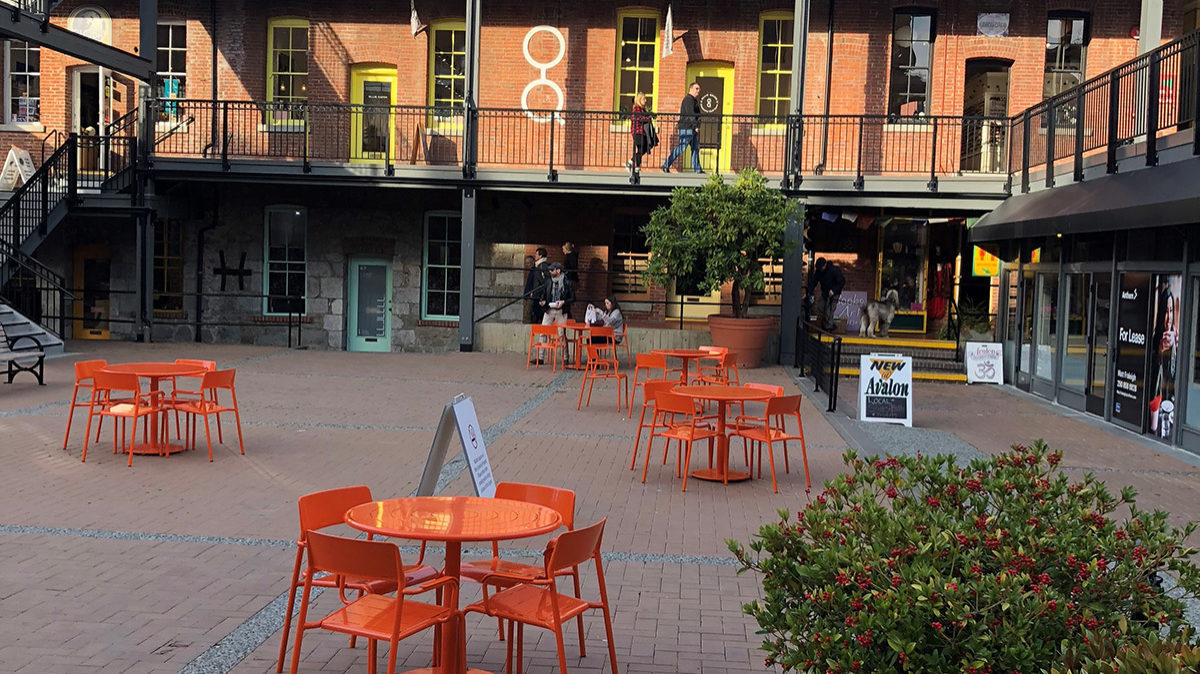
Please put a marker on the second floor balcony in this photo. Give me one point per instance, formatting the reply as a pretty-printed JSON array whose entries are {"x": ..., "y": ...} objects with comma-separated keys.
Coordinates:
[{"x": 850, "y": 153}]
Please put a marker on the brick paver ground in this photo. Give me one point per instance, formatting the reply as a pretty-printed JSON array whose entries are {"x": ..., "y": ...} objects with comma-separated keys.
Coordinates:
[{"x": 178, "y": 564}]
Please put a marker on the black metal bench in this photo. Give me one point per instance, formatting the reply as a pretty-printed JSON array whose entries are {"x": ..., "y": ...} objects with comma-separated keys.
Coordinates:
[{"x": 17, "y": 355}]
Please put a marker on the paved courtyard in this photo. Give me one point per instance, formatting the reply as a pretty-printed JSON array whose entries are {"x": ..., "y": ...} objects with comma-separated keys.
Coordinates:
[{"x": 181, "y": 565}]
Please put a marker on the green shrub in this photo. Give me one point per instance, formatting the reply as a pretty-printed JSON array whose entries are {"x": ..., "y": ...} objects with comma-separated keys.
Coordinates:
[
  {"x": 1101, "y": 654},
  {"x": 917, "y": 564}
]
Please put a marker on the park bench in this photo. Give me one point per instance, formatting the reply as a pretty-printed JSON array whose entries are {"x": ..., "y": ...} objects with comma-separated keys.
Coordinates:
[{"x": 18, "y": 351}]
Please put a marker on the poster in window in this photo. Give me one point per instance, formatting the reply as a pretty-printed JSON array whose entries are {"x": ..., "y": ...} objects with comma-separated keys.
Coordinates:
[
  {"x": 1129, "y": 386},
  {"x": 1164, "y": 355}
]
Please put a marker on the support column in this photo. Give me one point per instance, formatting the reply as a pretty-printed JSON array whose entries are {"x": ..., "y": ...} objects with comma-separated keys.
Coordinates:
[
  {"x": 792, "y": 290},
  {"x": 145, "y": 274},
  {"x": 793, "y": 260},
  {"x": 1150, "y": 28},
  {"x": 466, "y": 294},
  {"x": 148, "y": 31}
]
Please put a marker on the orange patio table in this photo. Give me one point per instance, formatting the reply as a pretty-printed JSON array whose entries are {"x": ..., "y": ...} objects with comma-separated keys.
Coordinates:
[
  {"x": 155, "y": 372},
  {"x": 722, "y": 395},
  {"x": 579, "y": 329},
  {"x": 686, "y": 355},
  {"x": 453, "y": 520}
]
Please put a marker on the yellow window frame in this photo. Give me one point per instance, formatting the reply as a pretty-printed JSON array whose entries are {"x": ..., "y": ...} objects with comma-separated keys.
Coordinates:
[
  {"x": 763, "y": 18},
  {"x": 451, "y": 124},
  {"x": 272, "y": 24},
  {"x": 640, "y": 13}
]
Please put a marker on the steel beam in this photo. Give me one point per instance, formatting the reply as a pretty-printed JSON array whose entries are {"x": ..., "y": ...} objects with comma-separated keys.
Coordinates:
[
  {"x": 466, "y": 292},
  {"x": 20, "y": 25}
]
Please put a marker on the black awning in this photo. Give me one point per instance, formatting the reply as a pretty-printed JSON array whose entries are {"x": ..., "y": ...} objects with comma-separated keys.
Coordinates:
[{"x": 1153, "y": 197}]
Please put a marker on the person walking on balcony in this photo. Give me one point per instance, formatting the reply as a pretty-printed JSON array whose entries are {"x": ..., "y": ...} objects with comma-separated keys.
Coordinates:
[
  {"x": 689, "y": 129},
  {"x": 831, "y": 280},
  {"x": 640, "y": 128}
]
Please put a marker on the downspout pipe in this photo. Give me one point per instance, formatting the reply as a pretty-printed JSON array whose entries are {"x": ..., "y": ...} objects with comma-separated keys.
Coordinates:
[
  {"x": 212, "y": 23},
  {"x": 216, "y": 220},
  {"x": 828, "y": 88}
]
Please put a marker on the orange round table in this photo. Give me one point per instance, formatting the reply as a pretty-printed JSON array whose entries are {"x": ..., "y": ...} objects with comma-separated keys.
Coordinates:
[
  {"x": 686, "y": 355},
  {"x": 453, "y": 520},
  {"x": 155, "y": 372},
  {"x": 722, "y": 395}
]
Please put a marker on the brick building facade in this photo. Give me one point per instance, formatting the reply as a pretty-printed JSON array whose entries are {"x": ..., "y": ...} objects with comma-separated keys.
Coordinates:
[{"x": 596, "y": 54}]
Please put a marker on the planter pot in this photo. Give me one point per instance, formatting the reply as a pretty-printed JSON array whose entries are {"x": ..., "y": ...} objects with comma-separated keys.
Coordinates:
[{"x": 746, "y": 337}]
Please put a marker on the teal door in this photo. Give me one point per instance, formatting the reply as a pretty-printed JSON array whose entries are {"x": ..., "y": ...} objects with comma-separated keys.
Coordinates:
[{"x": 369, "y": 305}]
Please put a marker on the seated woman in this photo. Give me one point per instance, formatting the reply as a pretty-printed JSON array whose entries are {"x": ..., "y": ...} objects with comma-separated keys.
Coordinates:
[{"x": 610, "y": 317}]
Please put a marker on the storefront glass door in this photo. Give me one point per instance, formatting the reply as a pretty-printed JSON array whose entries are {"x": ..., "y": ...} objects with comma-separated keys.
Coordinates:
[
  {"x": 1099, "y": 313},
  {"x": 1045, "y": 343},
  {"x": 1192, "y": 418},
  {"x": 1025, "y": 371},
  {"x": 1075, "y": 350}
]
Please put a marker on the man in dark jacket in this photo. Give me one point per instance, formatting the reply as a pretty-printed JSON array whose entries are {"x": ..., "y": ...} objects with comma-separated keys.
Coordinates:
[
  {"x": 689, "y": 129},
  {"x": 534, "y": 281},
  {"x": 557, "y": 295},
  {"x": 831, "y": 280}
]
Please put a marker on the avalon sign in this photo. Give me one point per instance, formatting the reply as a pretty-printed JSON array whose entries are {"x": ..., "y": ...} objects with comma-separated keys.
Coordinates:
[{"x": 885, "y": 388}]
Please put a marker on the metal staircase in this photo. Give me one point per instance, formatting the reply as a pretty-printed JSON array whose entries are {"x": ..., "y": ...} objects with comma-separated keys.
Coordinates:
[{"x": 34, "y": 299}]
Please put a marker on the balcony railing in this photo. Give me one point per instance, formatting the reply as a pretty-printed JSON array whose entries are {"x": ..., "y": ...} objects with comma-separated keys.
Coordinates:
[
  {"x": 1151, "y": 96},
  {"x": 554, "y": 140}
]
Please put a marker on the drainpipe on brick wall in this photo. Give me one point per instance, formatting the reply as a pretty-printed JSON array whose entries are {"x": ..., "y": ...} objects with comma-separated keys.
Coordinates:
[
  {"x": 828, "y": 82},
  {"x": 212, "y": 18}
]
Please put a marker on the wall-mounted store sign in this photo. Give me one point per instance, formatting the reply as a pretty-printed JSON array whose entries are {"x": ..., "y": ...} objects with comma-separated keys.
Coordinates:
[
  {"x": 1129, "y": 385},
  {"x": 984, "y": 263},
  {"x": 992, "y": 25}
]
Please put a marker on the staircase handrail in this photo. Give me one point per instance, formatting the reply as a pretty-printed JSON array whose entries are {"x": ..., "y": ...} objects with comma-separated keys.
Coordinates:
[
  {"x": 33, "y": 266},
  {"x": 40, "y": 175},
  {"x": 120, "y": 124}
]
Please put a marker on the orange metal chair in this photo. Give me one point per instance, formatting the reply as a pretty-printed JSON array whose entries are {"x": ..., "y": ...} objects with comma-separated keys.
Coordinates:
[
  {"x": 624, "y": 344},
  {"x": 744, "y": 420},
  {"x": 179, "y": 395},
  {"x": 710, "y": 365},
  {"x": 554, "y": 343},
  {"x": 107, "y": 403},
  {"x": 778, "y": 410},
  {"x": 539, "y": 603},
  {"x": 209, "y": 403},
  {"x": 323, "y": 509},
  {"x": 561, "y": 501},
  {"x": 602, "y": 364},
  {"x": 85, "y": 371},
  {"x": 650, "y": 362},
  {"x": 721, "y": 370},
  {"x": 650, "y": 390},
  {"x": 377, "y": 617},
  {"x": 675, "y": 405}
]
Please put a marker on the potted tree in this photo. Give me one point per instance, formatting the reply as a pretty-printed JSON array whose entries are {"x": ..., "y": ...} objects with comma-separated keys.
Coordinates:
[{"x": 718, "y": 233}]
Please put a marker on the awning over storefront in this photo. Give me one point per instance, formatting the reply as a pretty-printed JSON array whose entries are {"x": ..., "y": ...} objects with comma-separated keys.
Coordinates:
[{"x": 1153, "y": 197}]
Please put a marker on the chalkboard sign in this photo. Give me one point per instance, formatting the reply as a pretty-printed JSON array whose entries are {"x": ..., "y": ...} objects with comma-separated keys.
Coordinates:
[{"x": 885, "y": 388}]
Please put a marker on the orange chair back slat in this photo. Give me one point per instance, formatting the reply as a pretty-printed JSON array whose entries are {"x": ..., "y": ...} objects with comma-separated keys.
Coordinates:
[
  {"x": 107, "y": 382},
  {"x": 544, "y": 331},
  {"x": 558, "y": 499},
  {"x": 86, "y": 369},
  {"x": 208, "y": 365},
  {"x": 784, "y": 405},
  {"x": 378, "y": 560},
  {"x": 657, "y": 386},
  {"x": 651, "y": 361},
  {"x": 573, "y": 548},
  {"x": 715, "y": 350},
  {"x": 673, "y": 403},
  {"x": 218, "y": 379},
  {"x": 327, "y": 508},
  {"x": 769, "y": 388}
]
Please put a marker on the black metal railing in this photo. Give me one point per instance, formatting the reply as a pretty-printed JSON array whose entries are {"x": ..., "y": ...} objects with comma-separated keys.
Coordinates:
[
  {"x": 554, "y": 140},
  {"x": 28, "y": 209},
  {"x": 819, "y": 354},
  {"x": 35, "y": 290},
  {"x": 1152, "y": 95}
]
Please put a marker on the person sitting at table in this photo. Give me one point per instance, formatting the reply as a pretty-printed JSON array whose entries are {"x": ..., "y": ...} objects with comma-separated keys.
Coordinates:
[{"x": 609, "y": 317}]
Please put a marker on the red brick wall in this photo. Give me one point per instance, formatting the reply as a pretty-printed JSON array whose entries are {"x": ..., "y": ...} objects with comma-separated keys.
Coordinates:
[{"x": 343, "y": 34}]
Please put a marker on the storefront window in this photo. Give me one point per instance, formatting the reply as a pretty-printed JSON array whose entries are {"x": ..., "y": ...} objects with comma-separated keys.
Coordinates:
[
  {"x": 1193, "y": 399},
  {"x": 1074, "y": 360},
  {"x": 1047, "y": 325},
  {"x": 1027, "y": 328},
  {"x": 902, "y": 261},
  {"x": 1164, "y": 355}
]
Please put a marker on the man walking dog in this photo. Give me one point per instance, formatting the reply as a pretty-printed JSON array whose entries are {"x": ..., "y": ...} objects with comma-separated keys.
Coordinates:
[{"x": 831, "y": 280}]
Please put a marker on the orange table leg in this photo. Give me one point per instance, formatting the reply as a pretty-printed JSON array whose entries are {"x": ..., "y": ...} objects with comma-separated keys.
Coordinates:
[
  {"x": 153, "y": 446},
  {"x": 721, "y": 473},
  {"x": 454, "y": 645}
]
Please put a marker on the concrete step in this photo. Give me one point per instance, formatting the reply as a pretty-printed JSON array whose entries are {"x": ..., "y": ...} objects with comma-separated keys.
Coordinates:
[{"x": 16, "y": 324}]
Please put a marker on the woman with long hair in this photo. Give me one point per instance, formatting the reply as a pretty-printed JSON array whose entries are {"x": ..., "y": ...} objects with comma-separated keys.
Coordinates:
[
  {"x": 637, "y": 128},
  {"x": 610, "y": 316}
]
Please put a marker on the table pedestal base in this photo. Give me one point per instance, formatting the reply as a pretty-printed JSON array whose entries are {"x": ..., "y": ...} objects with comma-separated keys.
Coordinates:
[
  {"x": 439, "y": 670},
  {"x": 154, "y": 450},
  {"x": 714, "y": 475}
]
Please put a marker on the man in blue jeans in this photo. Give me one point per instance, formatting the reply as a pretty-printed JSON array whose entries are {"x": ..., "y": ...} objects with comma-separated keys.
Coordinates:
[{"x": 689, "y": 129}]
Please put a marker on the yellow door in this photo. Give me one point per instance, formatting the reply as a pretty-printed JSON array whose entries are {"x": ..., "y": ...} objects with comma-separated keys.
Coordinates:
[
  {"x": 716, "y": 99},
  {"x": 92, "y": 277},
  {"x": 372, "y": 114}
]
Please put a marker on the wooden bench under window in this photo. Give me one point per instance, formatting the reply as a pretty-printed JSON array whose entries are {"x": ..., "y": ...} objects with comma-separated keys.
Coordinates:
[{"x": 18, "y": 351}]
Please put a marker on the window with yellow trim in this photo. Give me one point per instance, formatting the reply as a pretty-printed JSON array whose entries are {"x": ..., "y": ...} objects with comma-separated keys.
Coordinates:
[
  {"x": 168, "y": 265},
  {"x": 774, "y": 67},
  {"x": 287, "y": 69},
  {"x": 637, "y": 57},
  {"x": 447, "y": 69}
]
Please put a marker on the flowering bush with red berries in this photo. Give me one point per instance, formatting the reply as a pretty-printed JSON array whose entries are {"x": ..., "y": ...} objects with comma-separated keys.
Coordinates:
[{"x": 918, "y": 564}]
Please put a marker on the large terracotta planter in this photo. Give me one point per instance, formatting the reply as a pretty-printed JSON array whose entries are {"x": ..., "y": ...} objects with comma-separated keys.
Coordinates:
[{"x": 747, "y": 337}]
